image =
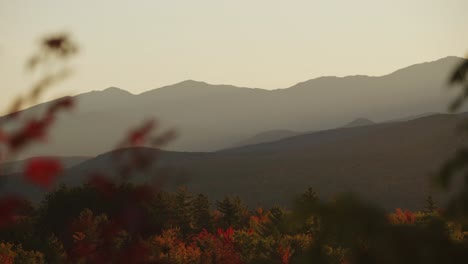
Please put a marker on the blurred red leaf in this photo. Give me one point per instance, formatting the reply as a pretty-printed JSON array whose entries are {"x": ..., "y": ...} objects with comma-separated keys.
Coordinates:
[
  {"x": 8, "y": 207},
  {"x": 36, "y": 129},
  {"x": 3, "y": 136},
  {"x": 105, "y": 186},
  {"x": 165, "y": 138},
  {"x": 43, "y": 171},
  {"x": 33, "y": 130},
  {"x": 140, "y": 135},
  {"x": 63, "y": 103},
  {"x": 142, "y": 193}
]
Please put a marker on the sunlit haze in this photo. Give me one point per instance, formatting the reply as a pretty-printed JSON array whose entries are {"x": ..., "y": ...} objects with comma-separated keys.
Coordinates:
[{"x": 142, "y": 45}]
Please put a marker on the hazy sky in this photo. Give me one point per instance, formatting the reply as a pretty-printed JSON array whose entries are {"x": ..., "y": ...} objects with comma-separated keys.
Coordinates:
[{"x": 141, "y": 45}]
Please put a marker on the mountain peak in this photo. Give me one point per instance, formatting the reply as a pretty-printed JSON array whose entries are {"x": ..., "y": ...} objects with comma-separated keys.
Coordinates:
[
  {"x": 189, "y": 83},
  {"x": 328, "y": 79},
  {"x": 113, "y": 89},
  {"x": 360, "y": 122},
  {"x": 196, "y": 88}
]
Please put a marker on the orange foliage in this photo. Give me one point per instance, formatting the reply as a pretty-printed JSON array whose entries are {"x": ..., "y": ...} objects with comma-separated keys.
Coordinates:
[
  {"x": 217, "y": 249},
  {"x": 402, "y": 217},
  {"x": 168, "y": 248},
  {"x": 285, "y": 253}
]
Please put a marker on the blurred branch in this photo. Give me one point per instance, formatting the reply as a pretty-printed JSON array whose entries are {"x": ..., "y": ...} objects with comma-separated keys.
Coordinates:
[
  {"x": 54, "y": 49},
  {"x": 459, "y": 77}
]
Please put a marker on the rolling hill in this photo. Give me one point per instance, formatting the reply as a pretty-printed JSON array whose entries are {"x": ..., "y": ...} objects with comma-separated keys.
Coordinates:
[{"x": 388, "y": 163}]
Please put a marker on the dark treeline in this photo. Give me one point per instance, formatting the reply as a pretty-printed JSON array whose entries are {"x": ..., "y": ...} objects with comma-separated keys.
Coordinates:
[{"x": 131, "y": 224}]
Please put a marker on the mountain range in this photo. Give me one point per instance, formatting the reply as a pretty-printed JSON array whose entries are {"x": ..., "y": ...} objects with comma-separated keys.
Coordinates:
[{"x": 212, "y": 117}]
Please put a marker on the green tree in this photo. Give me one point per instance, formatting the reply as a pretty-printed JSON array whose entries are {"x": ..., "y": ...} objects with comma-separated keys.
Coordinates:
[
  {"x": 431, "y": 205},
  {"x": 305, "y": 212},
  {"x": 183, "y": 212},
  {"x": 201, "y": 212},
  {"x": 161, "y": 211},
  {"x": 277, "y": 224},
  {"x": 234, "y": 212}
]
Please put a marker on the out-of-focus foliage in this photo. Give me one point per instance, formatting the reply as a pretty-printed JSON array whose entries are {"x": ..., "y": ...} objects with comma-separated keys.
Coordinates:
[
  {"x": 455, "y": 169},
  {"x": 51, "y": 60},
  {"x": 459, "y": 78},
  {"x": 10, "y": 253}
]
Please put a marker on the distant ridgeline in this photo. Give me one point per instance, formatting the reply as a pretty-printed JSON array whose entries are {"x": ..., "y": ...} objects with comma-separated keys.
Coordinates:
[
  {"x": 388, "y": 163},
  {"x": 213, "y": 117}
]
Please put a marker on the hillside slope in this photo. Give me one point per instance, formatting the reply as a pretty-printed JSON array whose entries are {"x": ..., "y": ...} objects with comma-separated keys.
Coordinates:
[{"x": 389, "y": 163}]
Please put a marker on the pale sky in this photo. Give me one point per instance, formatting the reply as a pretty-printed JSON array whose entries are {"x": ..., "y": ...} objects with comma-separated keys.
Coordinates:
[{"x": 142, "y": 45}]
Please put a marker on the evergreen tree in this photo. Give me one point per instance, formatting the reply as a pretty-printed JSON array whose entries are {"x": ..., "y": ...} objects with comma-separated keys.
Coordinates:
[
  {"x": 201, "y": 213},
  {"x": 183, "y": 211},
  {"x": 306, "y": 212},
  {"x": 234, "y": 212},
  {"x": 309, "y": 197},
  {"x": 161, "y": 211},
  {"x": 430, "y": 204},
  {"x": 277, "y": 226},
  {"x": 307, "y": 201}
]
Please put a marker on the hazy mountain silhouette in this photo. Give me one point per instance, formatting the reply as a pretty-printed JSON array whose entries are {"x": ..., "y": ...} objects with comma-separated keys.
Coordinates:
[
  {"x": 408, "y": 118},
  {"x": 211, "y": 117},
  {"x": 267, "y": 136},
  {"x": 274, "y": 135},
  {"x": 360, "y": 122},
  {"x": 388, "y": 163}
]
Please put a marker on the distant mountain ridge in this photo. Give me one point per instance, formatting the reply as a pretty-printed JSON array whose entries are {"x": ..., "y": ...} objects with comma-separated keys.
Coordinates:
[
  {"x": 212, "y": 117},
  {"x": 267, "y": 136},
  {"x": 388, "y": 163}
]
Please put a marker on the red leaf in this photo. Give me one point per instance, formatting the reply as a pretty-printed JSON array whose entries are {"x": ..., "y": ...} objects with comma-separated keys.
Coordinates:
[
  {"x": 102, "y": 184},
  {"x": 43, "y": 171},
  {"x": 139, "y": 136},
  {"x": 36, "y": 129},
  {"x": 142, "y": 193},
  {"x": 8, "y": 207},
  {"x": 63, "y": 103},
  {"x": 3, "y": 136}
]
